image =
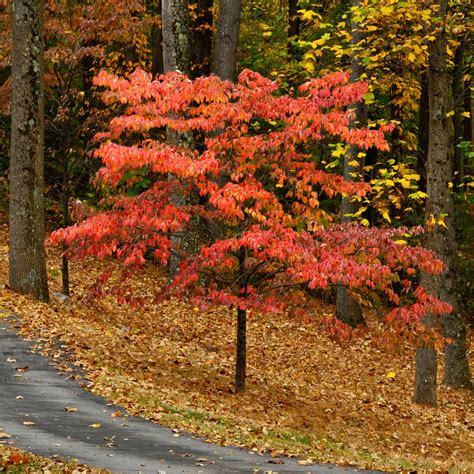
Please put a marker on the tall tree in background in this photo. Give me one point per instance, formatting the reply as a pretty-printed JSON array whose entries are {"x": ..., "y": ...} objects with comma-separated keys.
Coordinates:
[
  {"x": 225, "y": 66},
  {"x": 440, "y": 236},
  {"x": 176, "y": 39},
  {"x": 348, "y": 309},
  {"x": 228, "y": 27},
  {"x": 177, "y": 56},
  {"x": 27, "y": 265}
]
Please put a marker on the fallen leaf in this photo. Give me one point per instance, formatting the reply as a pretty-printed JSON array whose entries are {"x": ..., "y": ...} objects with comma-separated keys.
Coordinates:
[
  {"x": 95, "y": 425},
  {"x": 29, "y": 423},
  {"x": 18, "y": 458},
  {"x": 71, "y": 409}
]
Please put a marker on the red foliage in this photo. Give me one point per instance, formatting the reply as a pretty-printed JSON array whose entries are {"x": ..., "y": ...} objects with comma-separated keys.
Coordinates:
[{"x": 249, "y": 188}]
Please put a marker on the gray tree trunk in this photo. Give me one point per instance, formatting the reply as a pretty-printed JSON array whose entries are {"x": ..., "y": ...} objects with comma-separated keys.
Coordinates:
[
  {"x": 348, "y": 309},
  {"x": 176, "y": 39},
  {"x": 441, "y": 240},
  {"x": 227, "y": 38},
  {"x": 27, "y": 265},
  {"x": 177, "y": 56}
]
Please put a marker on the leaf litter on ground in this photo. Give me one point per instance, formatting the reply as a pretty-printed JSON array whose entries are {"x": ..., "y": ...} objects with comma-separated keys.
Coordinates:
[{"x": 307, "y": 395}]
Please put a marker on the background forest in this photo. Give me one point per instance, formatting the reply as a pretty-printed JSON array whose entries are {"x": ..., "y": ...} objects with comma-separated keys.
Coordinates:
[{"x": 250, "y": 184}]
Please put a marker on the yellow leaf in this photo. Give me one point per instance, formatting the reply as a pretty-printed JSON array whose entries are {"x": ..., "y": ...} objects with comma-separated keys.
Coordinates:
[
  {"x": 95, "y": 425},
  {"x": 385, "y": 215},
  {"x": 309, "y": 66},
  {"x": 391, "y": 375},
  {"x": 400, "y": 242}
]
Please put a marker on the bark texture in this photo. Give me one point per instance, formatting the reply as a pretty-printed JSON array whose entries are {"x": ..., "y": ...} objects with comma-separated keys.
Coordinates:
[
  {"x": 176, "y": 39},
  {"x": 348, "y": 309},
  {"x": 426, "y": 371},
  {"x": 458, "y": 103},
  {"x": 423, "y": 130},
  {"x": 177, "y": 56},
  {"x": 27, "y": 265},
  {"x": 241, "y": 351},
  {"x": 441, "y": 239},
  {"x": 227, "y": 38}
]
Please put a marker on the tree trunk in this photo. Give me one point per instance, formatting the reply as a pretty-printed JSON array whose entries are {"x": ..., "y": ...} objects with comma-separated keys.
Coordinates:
[
  {"x": 201, "y": 33},
  {"x": 293, "y": 25},
  {"x": 241, "y": 351},
  {"x": 441, "y": 239},
  {"x": 426, "y": 370},
  {"x": 468, "y": 133},
  {"x": 458, "y": 103},
  {"x": 27, "y": 264},
  {"x": 66, "y": 223},
  {"x": 175, "y": 22},
  {"x": 423, "y": 130},
  {"x": 348, "y": 309},
  {"x": 228, "y": 27}
]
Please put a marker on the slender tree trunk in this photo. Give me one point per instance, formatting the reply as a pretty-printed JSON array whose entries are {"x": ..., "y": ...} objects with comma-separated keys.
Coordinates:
[
  {"x": 423, "y": 130},
  {"x": 241, "y": 351},
  {"x": 157, "y": 66},
  {"x": 293, "y": 25},
  {"x": 66, "y": 223},
  {"x": 468, "y": 121},
  {"x": 228, "y": 27},
  {"x": 458, "y": 103},
  {"x": 27, "y": 264},
  {"x": 441, "y": 239},
  {"x": 348, "y": 309}
]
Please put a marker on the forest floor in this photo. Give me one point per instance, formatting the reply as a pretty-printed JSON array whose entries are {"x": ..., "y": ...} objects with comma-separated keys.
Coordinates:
[{"x": 307, "y": 394}]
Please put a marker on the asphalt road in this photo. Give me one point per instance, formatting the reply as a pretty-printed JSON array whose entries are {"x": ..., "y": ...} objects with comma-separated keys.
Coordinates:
[{"x": 32, "y": 411}]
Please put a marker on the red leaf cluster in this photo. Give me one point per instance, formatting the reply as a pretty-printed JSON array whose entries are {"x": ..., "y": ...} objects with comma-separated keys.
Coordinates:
[{"x": 242, "y": 179}]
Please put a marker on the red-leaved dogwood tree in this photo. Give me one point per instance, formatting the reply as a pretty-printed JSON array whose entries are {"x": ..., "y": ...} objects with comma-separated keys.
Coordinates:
[{"x": 248, "y": 193}]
